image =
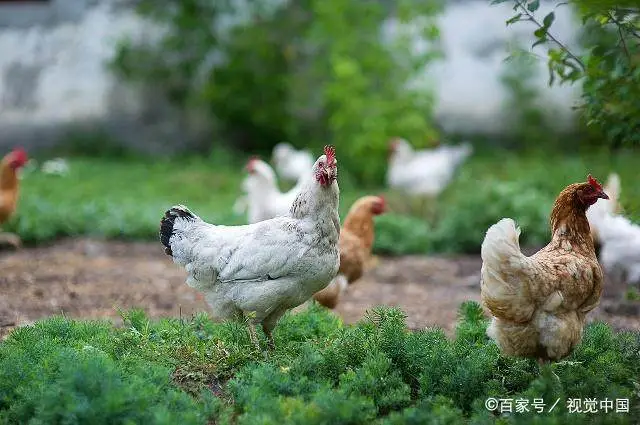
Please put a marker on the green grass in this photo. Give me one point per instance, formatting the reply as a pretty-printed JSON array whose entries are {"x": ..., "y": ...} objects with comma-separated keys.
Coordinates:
[
  {"x": 125, "y": 199},
  {"x": 61, "y": 371}
]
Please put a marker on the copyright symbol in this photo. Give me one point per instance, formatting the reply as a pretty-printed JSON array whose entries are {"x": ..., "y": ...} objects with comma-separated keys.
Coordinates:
[{"x": 491, "y": 404}]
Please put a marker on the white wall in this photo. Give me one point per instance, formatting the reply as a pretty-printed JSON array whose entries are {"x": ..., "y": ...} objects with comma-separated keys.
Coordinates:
[
  {"x": 476, "y": 40},
  {"x": 52, "y": 66}
]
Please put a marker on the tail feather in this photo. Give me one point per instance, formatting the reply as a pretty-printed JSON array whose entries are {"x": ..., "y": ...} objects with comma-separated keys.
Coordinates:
[
  {"x": 501, "y": 243},
  {"x": 169, "y": 220},
  {"x": 501, "y": 255}
]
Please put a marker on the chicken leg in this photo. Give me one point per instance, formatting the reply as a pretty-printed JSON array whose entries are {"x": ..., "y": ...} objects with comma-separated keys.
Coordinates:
[
  {"x": 269, "y": 323},
  {"x": 252, "y": 335}
]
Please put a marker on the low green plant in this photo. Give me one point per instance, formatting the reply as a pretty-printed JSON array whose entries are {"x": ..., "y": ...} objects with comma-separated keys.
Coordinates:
[
  {"x": 125, "y": 199},
  {"x": 322, "y": 372}
]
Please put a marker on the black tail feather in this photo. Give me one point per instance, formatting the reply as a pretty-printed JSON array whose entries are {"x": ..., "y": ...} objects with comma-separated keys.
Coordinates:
[{"x": 167, "y": 222}]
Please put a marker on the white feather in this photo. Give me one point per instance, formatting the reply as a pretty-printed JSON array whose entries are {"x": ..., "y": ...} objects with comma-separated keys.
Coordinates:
[{"x": 425, "y": 172}]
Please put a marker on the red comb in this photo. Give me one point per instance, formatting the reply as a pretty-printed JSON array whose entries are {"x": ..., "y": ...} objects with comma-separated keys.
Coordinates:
[
  {"x": 19, "y": 155},
  {"x": 252, "y": 158},
  {"x": 594, "y": 183},
  {"x": 330, "y": 152}
]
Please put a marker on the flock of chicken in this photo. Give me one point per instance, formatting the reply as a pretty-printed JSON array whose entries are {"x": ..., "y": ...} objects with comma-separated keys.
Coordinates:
[{"x": 294, "y": 248}]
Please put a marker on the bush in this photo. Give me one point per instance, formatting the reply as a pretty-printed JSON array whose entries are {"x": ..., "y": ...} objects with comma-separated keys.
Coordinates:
[
  {"x": 194, "y": 371},
  {"x": 608, "y": 68},
  {"x": 309, "y": 72}
]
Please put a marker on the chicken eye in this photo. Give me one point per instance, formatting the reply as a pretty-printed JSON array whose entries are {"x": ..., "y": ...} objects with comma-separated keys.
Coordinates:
[{"x": 321, "y": 164}]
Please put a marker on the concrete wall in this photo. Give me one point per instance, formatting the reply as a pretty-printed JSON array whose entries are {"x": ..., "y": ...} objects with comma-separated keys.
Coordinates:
[
  {"x": 54, "y": 82},
  {"x": 53, "y": 78}
]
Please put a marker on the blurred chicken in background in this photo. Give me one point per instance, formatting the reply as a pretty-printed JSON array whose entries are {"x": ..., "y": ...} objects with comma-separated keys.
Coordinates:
[
  {"x": 617, "y": 238},
  {"x": 56, "y": 167},
  {"x": 263, "y": 199},
  {"x": 9, "y": 188},
  {"x": 426, "y": 173},
  {"x": 291, "y": 164},
  {"x": 596, "y": 213},
  {"x": 356, "y": 240}
]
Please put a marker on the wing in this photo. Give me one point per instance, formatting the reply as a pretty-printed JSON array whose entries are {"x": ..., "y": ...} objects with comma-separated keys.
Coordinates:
[{"x": 250, "y": 253}]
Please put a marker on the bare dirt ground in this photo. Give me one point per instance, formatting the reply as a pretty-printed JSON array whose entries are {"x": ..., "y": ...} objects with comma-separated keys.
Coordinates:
[{"x": 85, "y": 278}]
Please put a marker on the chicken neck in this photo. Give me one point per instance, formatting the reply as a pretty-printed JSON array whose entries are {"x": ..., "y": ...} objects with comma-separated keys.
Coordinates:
[
  {"x": 8, "y": 177},
  {"x": 569, "y": 221}
]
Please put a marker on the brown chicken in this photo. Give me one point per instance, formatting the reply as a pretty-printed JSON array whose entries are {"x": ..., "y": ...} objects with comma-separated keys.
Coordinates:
[
  {"x": 539, "y": 303},
  {"x": 356, "y": 240},
  {"x": 9, "y": 185}
]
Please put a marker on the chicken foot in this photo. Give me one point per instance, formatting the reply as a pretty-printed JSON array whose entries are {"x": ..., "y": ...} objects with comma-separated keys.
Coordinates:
[{"x": 10, "y": 239}]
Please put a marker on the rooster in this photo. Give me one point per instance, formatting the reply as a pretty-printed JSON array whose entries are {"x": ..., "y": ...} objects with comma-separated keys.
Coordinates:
[
  {"x": 290, "y": 163},
  {"x": 9, "y": 188},
  {"x": 539, "y": 303},
  {"x": 262, "y": 197},
  {"x": 259, "y": 271},
  {"x": 356, "y": 240}
]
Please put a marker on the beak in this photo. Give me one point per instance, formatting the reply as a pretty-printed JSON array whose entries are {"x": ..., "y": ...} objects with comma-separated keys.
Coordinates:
[{"x": 603, "y": 195}]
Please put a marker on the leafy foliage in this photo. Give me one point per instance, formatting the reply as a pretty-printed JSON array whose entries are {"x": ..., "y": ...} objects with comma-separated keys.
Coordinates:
[
  {"x": 608, "y": 69},
  {"x": 308, "y": 71},
  {"x": 194, "y": 371}
]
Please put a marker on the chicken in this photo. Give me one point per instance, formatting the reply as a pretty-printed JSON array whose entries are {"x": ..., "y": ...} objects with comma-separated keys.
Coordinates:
[
  {"x": 9, "y": 189},
  {"x": 599, "y": 211},
  {"x": 617, "y": 239},
  {"x": 56, "y": 167},
  {"x": 539, "y": 303},
  {"x": 290, "y": 163},
  {"x": 620, "y": 248},
  {"x": 259, "y": 271},
  {"x": 426, "y": 172},
  {"x": 356, "y": 240},
  {"x": 263, "y": 199}
]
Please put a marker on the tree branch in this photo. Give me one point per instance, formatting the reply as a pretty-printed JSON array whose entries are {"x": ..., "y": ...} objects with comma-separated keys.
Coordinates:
[
  {"x": 622, "y": 39},
  {"x": 548, "y": 34}
]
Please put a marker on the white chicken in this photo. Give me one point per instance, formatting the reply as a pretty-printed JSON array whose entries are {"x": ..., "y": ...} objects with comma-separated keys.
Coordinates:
[
  {"x": 600, "y": 210},
  {"x": 425, "y": 172},
  {"x": 263, "y": 199},
  {"x": 290, "y": 163},
  {"x": 617, "y": 236},
  {"x": 261, "y": 270},
  {"x": 620, "y": 248},
  {"x": 56, "y": 167}
]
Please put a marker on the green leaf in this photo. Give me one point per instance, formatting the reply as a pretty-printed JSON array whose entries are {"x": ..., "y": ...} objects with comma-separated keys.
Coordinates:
[
  {"x": 541, "y": 40},
  {"x": 540, "y": 33},
  {"x": 513, "y": 19},
  {"x": 533, "y": 6},
  {"x": 548, "y": 20}
]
